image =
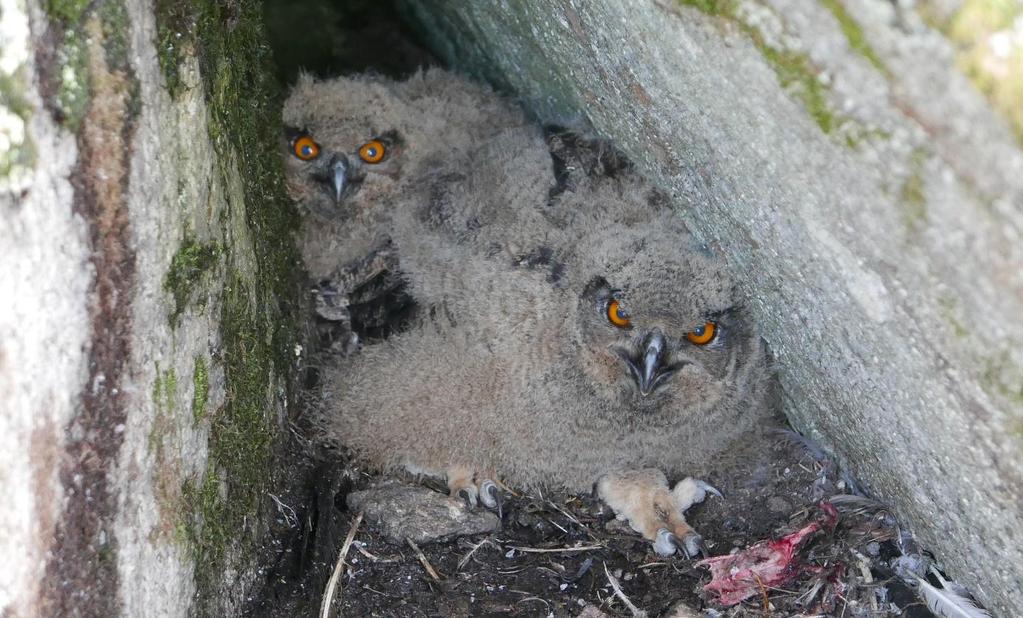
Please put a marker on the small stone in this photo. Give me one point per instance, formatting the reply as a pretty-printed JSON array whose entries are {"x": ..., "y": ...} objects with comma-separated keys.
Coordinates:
[
  {"x": 411, "y": 511},
  {"x": 777, "y": 504}
]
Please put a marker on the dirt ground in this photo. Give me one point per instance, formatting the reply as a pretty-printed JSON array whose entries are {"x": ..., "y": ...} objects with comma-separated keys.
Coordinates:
[{"x": 555, "y": 554}]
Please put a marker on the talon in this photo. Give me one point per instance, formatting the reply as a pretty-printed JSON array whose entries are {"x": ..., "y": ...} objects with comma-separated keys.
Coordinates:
[
  {"x": 691, "y": 545},
  {"x": 665, "y": 543},
  {"x": 690, "y": 491},
  {"x": 491, "y": 497},
  {"x": 469, "y": 495},
  {"x": 707, "y": 487}
]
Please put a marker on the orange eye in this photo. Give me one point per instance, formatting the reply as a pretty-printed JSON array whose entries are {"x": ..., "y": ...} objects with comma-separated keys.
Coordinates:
[
  {"x": 703, "y": 335},
  {"x": 372, "y": 151},
  {"x": 617, "y": 315},
  {"x": 305, "y": 148}
]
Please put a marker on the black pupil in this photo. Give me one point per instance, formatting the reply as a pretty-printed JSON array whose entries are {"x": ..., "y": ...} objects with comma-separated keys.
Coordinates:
[
  {"x": 620, "y": 313},
  {"x": 371, "y": 152},
  {"x": 307, "y": 150},
  {"x": 699, "y": 331}
]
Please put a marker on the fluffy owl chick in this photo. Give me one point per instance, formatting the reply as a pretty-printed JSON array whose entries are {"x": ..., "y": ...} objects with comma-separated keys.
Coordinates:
[
  {"x": 621, "y": 348},
  {"x": 352, "y": 145}
]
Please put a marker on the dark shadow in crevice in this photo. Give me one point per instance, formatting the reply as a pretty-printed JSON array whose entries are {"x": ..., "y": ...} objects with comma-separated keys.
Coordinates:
[
  {"x": 336, "y": 37},
  {"x": 326, "y": 38}
]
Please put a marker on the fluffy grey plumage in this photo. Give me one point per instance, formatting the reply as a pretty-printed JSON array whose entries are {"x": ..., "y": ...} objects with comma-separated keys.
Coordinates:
[
  {"x": 514, "y": 368},
  {"x": 336, "y": 128}
]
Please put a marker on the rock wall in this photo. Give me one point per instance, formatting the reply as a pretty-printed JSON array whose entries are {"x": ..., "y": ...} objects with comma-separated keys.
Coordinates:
[
  {"x": 868, "y": 197},
  {"x": 147, "y": 329}
]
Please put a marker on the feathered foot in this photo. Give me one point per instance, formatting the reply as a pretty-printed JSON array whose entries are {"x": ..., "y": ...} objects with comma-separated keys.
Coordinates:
[
  {"x": 461, "y": 484},
  {"x": 643, "y": 498}
]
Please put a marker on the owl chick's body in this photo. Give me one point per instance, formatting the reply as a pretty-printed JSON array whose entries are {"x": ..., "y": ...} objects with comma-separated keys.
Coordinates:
[{"x": 514, "y": 369}]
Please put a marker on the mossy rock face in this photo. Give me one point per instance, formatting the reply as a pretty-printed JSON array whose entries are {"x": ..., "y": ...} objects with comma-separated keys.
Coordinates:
[
  {"x": 157, "y": 229},
  {"x": 257, "y": 289},
  {"x": 865, "y": 198}
]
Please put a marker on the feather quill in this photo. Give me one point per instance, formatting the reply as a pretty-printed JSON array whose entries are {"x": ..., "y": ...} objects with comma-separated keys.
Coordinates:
[{"x": 946, "y": 602}]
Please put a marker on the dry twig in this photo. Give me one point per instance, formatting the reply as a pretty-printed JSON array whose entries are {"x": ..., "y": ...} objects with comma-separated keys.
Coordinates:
[
  {"x": 554, "y": 550},
  {"x": 465, "y": 558},
  {"x": 636, "y": 612},
  {"x": 328, "y": 594},
  {"x": 422, "y": 559}
]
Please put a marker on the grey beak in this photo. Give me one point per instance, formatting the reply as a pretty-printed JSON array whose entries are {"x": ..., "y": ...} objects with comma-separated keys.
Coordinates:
[
  {"x": 339, "y": 178},
  {"x": 649, "y": 370},
  {"x": 649, "y": 367},
  {"x": 651, "y": 363}
]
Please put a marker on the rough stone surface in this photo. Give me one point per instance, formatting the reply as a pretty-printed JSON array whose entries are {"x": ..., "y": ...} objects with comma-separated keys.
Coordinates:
[
  {"x": 44, "y": 332},
  {"x": 865, "y": 194},
  {"x": 126, "y": 237},
  {"x": 418, "y": 513}
]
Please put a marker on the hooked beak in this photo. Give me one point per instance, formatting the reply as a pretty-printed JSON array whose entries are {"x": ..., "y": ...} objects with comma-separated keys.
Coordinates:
[
  {"x": 339, "y": 178},
  {"x": 649, "y": 369}
]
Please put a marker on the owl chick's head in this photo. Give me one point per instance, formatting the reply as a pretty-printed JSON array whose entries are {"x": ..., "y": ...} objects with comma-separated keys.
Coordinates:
[
  {"x": 660, "y": 331},
  {"x": 350, "y": 142}
]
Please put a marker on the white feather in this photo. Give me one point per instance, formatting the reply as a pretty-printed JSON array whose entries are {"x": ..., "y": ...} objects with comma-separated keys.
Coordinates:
[{"x": 945, "y": 603}]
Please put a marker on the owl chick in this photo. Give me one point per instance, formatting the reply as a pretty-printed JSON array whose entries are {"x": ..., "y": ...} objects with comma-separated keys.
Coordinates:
[
  {"x": 353, "y": 144},
  {"x": 566, "y": 342},
  {"x": 353, "y": 148}
]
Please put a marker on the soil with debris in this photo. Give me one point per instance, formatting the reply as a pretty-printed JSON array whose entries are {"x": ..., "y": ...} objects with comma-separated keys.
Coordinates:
[{"x": 556, "y": 554}]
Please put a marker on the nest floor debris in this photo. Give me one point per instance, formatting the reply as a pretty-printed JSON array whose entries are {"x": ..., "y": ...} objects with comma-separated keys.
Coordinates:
[{"x": 562, "y": 555}]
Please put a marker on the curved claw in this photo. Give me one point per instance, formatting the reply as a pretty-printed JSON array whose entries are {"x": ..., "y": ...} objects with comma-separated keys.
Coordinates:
[
  {"x": 690, "y": 491},
  {"x": 665, "y": 543},
  {"x": 491, "y": 497},
  {"x": 707, "y": 487},
  {"x": 691, "y": 545},
  {"x": 469, "y": 495}
]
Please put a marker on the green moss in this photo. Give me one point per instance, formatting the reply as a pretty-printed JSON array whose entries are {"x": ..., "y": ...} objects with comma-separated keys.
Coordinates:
[
  {"x": 200, "y": 388},
  {"x": 911, "y": 194},
  {"x": 116, "y": 27},
  {"x": 165, "y": 389},
  {"x": 794, "y": 70},
  {"x": 20, "y": 152},
  {"x": 72, "y": 99},
  {"x": 244, "y": 100},
  {"x": 68, "y": 11},
  {"x": 242, "y": 443},
  {"x": 69, "y": 77},
  {"x": 187, "y": 267},
  {"x": 206, "y": 536},
  {"x": 854, "y": 35},
  {"x": 856, "y": 134},
  {"x": 717, "y": 8},
  {"x": 258, "y": 317},
  {"x": 175, "y": 37}
]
